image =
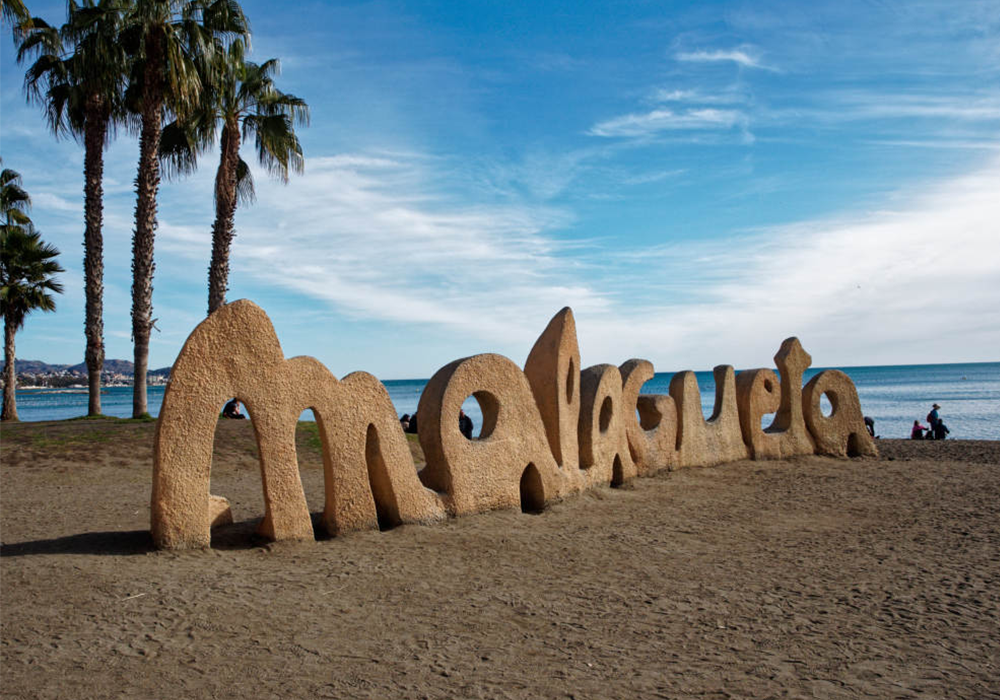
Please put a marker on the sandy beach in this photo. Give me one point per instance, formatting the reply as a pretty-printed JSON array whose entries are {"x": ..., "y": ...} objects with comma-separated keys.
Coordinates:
[{"x": 810, "y": 577}]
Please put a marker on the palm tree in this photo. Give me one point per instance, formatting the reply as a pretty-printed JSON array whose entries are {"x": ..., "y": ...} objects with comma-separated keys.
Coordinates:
[
  {"x": 26, "y": 269},
  {"x": 82, "y": 94},
  {"x": 246, "y": 103},
  {"x": 14, "y": 201},
  {"x": 167, "y": 39}
]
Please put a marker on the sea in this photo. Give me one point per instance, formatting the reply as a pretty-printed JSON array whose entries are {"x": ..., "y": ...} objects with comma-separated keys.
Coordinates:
[{"x": 893, "y": 395}]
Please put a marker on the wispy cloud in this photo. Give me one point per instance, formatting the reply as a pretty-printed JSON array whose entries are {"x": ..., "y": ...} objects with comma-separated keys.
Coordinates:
[
  {"x": 935, "y": 108},
  {"x": 50, "y": 200},
  {"x": 371, "y": 238},
  {"x": 960, "y": 144},
  {"x": 656, "y": 176},
  {"x": 732, "y": 95},
  {"x": 744, "y": 56},
  {"x": 958, "y": 106},
  {"x": 647, "y": 123},
  {"x": 881, "y": 285}
]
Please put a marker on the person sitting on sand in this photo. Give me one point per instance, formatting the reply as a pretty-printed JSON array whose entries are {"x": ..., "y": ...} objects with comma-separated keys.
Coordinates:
[
  {"x": 232, "y": 410},
  {"x": 940, "y": 430},
  {"x": 870, "y": 425},
  {"x": 404, "y": 422},
  {"x": 917, "y": 433},
  {"x": 465, "y": 424}
]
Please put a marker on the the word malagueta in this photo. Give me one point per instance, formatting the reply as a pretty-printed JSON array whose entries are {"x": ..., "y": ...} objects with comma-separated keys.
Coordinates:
[{"x": 549, "y": 430}]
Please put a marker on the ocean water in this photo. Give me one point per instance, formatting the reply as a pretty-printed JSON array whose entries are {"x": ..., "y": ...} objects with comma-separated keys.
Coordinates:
[{"x": 893, "y": 395}]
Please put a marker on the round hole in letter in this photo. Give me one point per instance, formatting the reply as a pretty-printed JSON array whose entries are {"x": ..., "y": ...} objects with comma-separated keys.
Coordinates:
[
  {"x": 607, "y": 409},
  {"x": 767, "y": 420},
  {"x": 828, "y": 403},
  {"x": 483, "y": 409}
]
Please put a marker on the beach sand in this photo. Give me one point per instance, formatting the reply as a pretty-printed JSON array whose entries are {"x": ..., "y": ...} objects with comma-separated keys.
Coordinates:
[{"x": 810, "y": 577}]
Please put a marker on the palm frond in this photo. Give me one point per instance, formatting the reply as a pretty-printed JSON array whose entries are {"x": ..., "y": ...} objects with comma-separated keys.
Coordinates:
[
  {"x": 27, "y": 267},
  {"x": 180, "y": 145},
  {"x": 245, "y": 192}
]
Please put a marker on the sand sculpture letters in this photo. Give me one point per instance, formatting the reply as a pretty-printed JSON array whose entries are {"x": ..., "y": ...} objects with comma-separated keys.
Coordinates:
[{"x": 549, "y": 430}]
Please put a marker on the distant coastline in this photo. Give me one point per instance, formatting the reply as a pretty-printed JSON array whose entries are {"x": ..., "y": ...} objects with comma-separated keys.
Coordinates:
[
  {"x": 35, "y": 374},
  {"x": 893, "y": 395}
]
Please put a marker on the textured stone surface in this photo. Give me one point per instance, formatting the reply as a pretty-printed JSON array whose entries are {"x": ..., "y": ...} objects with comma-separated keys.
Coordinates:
[
  {"x": 650, "y": 420},
  {"x": 719, "y": 439},
  {"x": 604, "y": 453},
  {"x": 758, "y": 393},
  {"x": 789, "y": 428},
  {"x": 843, "y": 432},
  {"x": 658, "y": 419},
  {"x": 553, "y": 371},
  {"x": 485, "y": 473}
]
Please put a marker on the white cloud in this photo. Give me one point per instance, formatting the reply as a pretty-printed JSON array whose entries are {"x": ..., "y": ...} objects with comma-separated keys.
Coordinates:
[
  {"x": 744, "y": 56},
  {"x": 645, "y": 124},
  {"x": 917, "y": 283},
  {"x": 959, "y": 106},
  {"x": 50, "y": 200},
  {"x": 848, "y": 106},
  {"x": 655, "y": 176},
  {"x": 371, "y": 238},
  {"x": 733, "y": 95},
  {"x": 961, "y": 144}
]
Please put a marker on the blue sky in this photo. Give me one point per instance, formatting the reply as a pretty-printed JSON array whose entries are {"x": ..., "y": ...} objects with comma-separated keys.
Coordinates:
[{"x": 698, "y": 180}]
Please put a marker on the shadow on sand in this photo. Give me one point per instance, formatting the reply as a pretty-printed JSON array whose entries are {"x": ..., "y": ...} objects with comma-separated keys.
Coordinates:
[
  {"x": 129, "y": 542},
  {"x": 236, "y": 536}
]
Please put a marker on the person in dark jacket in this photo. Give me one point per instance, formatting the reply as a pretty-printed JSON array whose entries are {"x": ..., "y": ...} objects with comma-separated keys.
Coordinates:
[
  {"x": 870, "y": 425},
  {"x": 465, "y": 424},
  {"x": 940, "y": 430},
  {"x": 232, "y": 410}
]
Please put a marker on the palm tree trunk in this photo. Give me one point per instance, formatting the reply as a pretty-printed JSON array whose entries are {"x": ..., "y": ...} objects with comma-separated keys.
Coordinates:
[
  {"x": 93, "y": 247},
  {"x": 225, "y": 213},
  {"x": 147, "y": 183},
  {"x": 10, "y": 373}
]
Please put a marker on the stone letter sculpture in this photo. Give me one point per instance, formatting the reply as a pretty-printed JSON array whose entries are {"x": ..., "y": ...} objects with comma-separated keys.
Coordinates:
[
  {"x": 651, "y": 428},
  {"x": 548, "y": 431},
  {"x": 235, "y": 352},
  {"x": 719, "y": 439}
]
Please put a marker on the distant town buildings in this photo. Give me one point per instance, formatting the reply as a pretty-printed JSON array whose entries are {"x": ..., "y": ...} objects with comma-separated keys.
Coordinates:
[{"x": 75, "y": 378}]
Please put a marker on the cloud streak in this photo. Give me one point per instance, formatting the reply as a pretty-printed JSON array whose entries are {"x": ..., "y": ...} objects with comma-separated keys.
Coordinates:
[
  {"x": 638, "y": 125},
  {"x": 743, "y": 56}
]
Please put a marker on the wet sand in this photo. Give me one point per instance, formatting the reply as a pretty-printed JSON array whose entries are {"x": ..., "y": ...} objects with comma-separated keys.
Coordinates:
[{"x": 809, "y": 577}]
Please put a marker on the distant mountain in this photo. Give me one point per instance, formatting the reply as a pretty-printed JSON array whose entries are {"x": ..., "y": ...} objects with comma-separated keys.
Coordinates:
[{"x": 112, "y": 366}]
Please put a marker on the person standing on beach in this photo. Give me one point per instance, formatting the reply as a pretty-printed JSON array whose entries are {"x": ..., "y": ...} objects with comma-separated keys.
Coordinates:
[{"x": 932, "y": 421}]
